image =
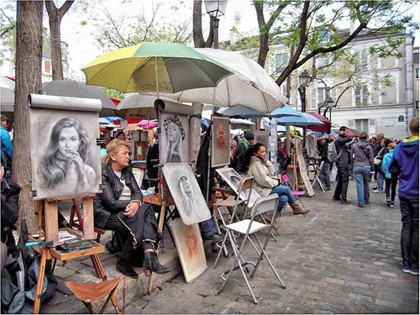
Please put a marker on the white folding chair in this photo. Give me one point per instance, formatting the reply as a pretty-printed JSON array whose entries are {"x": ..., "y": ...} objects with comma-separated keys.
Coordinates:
[
  {"x": 249, "y": 228},
  {"x": 244, "y": 187}
]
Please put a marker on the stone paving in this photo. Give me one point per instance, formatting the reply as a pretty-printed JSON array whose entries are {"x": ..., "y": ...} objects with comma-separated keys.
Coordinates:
[{"x": 337, "y": 259}]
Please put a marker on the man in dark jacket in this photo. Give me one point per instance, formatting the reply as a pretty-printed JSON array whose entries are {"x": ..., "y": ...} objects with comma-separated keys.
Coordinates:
[
  {"x": 240, "y": 158},
  {"x": 9, "y": 210},
  {"x": 342, "y": 144},
  {"x": 405, "y": 164}
]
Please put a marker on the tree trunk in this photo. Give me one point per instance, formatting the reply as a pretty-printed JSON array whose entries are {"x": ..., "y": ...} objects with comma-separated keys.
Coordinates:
[
  {"x": 198, "y": 29},
  {"x": 55, "y": 16},
  {"x": 28, "y": 80}
]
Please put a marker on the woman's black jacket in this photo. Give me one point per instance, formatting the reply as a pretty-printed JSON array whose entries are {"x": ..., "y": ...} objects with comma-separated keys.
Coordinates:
[{"x": 107, "y": 202}]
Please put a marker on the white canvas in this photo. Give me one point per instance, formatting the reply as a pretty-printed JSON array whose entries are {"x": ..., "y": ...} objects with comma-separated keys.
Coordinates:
[
  {"x": 59, "y": 168},
  {"x": 186, "y": 193},
  {"x": 220, "y": 144},
  {"x": 173, "y": 138},
  {"x": 190, "y": 249}
]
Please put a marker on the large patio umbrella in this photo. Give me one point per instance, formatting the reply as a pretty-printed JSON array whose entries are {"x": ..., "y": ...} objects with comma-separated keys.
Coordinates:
[
  {"x": 325, "y": 128},
  {"x": 72, "y": 88},
  {"x": 304, "y": 120},
  {"x": 284, "y": 111},
  {"x": 7, "y": 92},
  {"x": 250, "y": 85},
  {"x": 175, "y": 67},
  {"x": 241, "y": 111}
]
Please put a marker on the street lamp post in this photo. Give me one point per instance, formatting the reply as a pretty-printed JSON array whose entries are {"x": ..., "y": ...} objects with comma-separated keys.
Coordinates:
[
  {"x": 215, "y": 8},
  {"x": 304, "y": 80}
]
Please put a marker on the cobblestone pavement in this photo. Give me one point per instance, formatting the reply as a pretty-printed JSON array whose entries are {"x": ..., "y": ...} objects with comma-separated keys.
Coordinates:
[{"x": 337, "y": 259}]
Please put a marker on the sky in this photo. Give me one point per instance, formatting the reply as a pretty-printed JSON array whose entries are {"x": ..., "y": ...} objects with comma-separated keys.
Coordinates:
[{"x": 82, "y": 48}]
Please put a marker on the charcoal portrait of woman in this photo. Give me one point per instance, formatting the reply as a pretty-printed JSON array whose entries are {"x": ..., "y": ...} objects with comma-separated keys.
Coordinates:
[{"x": 64, "y": 167}]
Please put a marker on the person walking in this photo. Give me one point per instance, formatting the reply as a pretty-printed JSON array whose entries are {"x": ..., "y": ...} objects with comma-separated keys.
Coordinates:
[
  {"x": 380, "y": 175},
  {"x": 390, "y": 181},
  {"x": 362, "y": 160},
  {"x": 405, "y": 164},
  {"x": 323, "y": 157},
  {"x": 342, "y": 145}
]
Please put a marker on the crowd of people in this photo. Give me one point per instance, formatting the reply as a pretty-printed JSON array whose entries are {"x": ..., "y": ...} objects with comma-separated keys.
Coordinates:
[{"x": 119, "y": 207}]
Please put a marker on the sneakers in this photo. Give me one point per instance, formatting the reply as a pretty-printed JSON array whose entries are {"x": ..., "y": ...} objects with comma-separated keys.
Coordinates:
[
  {"x": 388, "y": 203},
  {"x": 392, "y": 204},
  {"x": 377, "y": 191},
  {"x": 411, "y": 270},
  {"x": 214, "y": 238},
  {"x": 406, "y": 269},
  {"x": 414, "y": 271}
]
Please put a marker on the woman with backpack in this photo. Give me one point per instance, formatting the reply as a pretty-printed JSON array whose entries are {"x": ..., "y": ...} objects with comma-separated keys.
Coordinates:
[{"x": 362, "y": 160}]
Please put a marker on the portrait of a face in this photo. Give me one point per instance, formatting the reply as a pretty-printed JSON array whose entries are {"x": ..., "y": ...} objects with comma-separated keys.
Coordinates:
[
  {"x": 186, "y": 193},
  {"x": 232, "y": 178},
  {"x": 173, "y": 144},
  {"x": 68, "y": 162},
  {"x": 220, "y": 141},
  {"x": 190, "y": 248}
]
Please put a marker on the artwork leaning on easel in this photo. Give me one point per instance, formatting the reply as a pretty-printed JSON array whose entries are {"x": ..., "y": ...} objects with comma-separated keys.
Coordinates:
[
  {"x": 220, "y": 141},
  {"x": 64, "y": 151}
]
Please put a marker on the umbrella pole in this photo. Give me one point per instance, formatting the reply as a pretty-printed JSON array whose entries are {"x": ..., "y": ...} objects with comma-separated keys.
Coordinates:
[{"x": 157, "y": 76}]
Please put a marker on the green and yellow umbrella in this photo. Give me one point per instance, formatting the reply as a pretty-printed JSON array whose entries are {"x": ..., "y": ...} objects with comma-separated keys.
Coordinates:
[{"x": 154, "y": 67}]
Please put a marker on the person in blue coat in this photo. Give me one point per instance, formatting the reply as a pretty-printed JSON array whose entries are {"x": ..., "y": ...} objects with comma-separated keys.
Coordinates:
[
  {"x": 390, "y": 181},
  {"x": 405, "y": 164},
  {"x": 6, "y": 147}
]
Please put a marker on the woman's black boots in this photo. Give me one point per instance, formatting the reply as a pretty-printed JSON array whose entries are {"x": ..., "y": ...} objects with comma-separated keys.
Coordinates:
[{"x": 151, "y": 263}]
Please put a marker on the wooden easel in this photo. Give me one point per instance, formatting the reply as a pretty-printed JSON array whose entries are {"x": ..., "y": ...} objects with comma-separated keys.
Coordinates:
[
  {"x": 163, "y": 199},
  {"x": 49, "y": 208}
]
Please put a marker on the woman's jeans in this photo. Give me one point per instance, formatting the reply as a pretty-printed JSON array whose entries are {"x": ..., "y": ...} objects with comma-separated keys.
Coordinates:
[
  {"x": 285, "y": 195},
  {"x": 410, "y": 232},
  {"x": 362, "y": 176},
  {"x": 380, "y": 180}
]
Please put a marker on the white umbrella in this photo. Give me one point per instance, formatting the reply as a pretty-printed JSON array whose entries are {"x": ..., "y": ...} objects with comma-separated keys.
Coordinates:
[
  {"x": 250, "y": 85},
  {"x": 7, "y": 92}
]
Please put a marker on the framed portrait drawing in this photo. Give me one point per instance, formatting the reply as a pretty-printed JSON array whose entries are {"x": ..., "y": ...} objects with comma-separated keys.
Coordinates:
[
  {"x": 186, "y": 193},
  {"x": 64, "y": 154},
  {"x": 263, "y": 137},
  {"x": 190, "y": 249},
  {"x": 232, "y": 178},
  {"x": 173, "y": 138},
  {"x": 220, "y": 143}
]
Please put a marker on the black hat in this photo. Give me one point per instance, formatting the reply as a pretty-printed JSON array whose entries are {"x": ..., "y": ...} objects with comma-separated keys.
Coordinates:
[{"x": 249, "y": 136}]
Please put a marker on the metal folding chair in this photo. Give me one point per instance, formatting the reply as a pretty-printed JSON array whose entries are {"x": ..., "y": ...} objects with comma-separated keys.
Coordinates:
[
  {"x": 244, "y": 187},
  {"x": 249, "y": 228}
]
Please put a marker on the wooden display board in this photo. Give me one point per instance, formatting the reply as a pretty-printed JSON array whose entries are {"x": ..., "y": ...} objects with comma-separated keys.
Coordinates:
[{"x": 302, "y": 168}]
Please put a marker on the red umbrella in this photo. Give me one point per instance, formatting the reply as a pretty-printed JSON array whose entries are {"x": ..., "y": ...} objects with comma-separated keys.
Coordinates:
[{"x": 325, "y": 128}]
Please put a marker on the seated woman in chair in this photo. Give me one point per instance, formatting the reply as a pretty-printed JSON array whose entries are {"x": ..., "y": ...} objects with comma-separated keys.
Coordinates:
[
  {"x": 119, "y": 208},
  {"x": 266, "y": 183}
]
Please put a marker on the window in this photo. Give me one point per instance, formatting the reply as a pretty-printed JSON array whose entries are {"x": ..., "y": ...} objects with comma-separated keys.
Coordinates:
[
  {"x": 361, "y": 96},
  {"x": 362, "y": 59},
  {"x": 322, "y": 95},
  {"x": 361, "y": 124},
  {"x": 281, "y": 61}
]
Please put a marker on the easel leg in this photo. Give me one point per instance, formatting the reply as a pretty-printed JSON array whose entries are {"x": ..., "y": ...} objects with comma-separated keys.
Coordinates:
[
  {"x": 99, "y": 269},
  {"x": 37, "y": 302},
  {"x": 160, "y": 228}
]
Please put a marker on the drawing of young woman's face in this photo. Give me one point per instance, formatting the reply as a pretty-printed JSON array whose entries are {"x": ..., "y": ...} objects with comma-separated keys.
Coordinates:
[
  {"x": 173, "y": 131},
  {"x": 190, "y": 239},
  {"x": 185, "y": 184},
  {"x": 68, "y": 141}
]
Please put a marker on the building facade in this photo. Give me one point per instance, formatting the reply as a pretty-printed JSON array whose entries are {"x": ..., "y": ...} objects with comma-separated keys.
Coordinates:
[{"x": 373, "y": 105}]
